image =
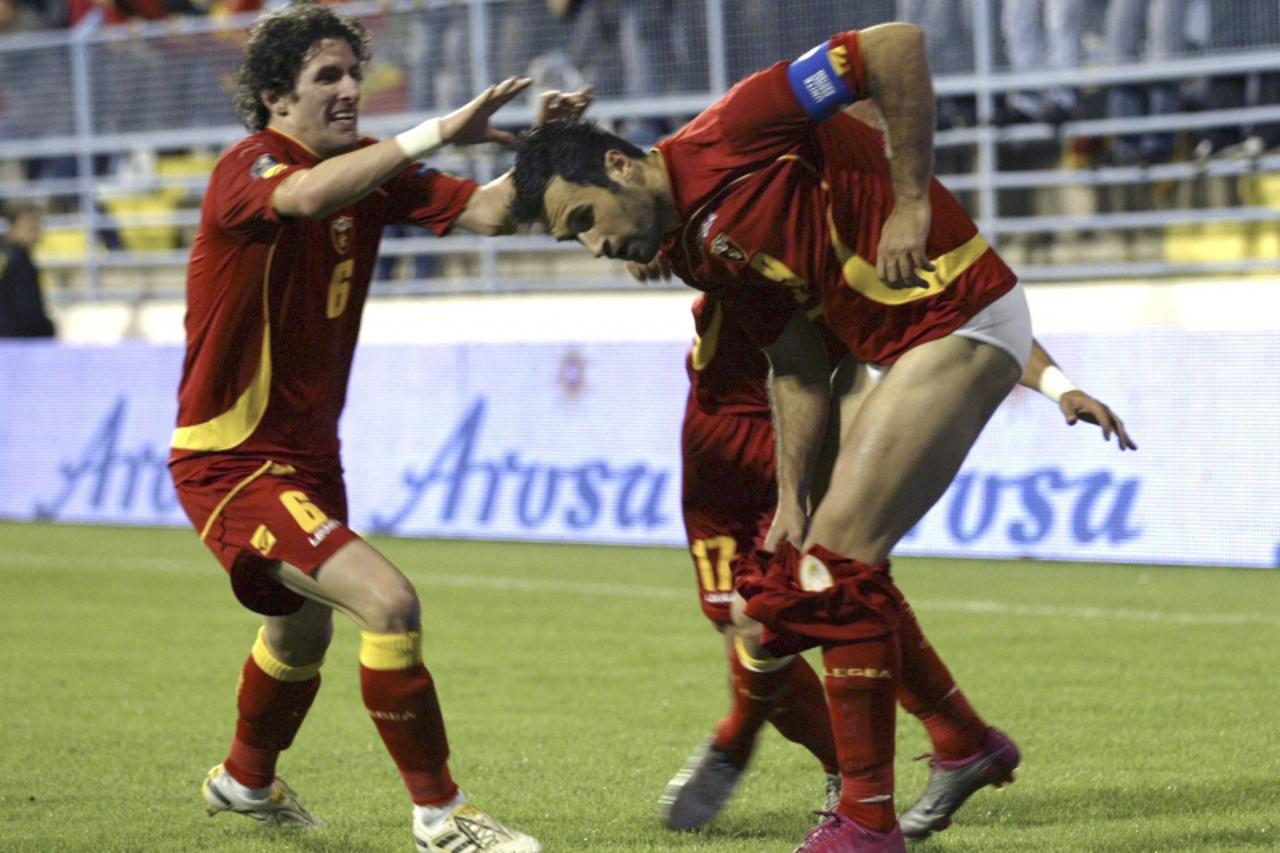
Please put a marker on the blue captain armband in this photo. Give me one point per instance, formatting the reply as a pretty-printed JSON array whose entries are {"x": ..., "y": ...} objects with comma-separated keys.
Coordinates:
[{"x": 817, "y": 84}]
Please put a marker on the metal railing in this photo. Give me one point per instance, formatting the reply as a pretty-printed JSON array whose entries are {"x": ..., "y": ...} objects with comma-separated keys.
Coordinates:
[{"x": 106, "y": 93}]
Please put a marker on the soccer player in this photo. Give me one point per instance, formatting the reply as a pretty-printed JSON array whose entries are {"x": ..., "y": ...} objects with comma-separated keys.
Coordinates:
[
  {"x": 276, "y": 285},
  {"x": 772, "y": 195},
  {"x": 729, "y": 494}
]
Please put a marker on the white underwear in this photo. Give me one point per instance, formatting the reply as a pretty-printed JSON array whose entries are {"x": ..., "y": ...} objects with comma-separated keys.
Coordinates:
[{"x": 1005, "y": 323}]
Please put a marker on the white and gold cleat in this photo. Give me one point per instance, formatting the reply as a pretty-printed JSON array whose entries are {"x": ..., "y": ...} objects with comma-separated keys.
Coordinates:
[
  {"x": 467, "y": 829},
  {"x": 278, "y": 808}
]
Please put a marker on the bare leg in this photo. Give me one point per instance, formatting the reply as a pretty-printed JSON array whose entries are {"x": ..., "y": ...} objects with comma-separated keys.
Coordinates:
[
  {"x": 300, "y": 638},
  {"x": 398, "y": 690},
  {"x": 278, "y": 683},
  {"x": 902, "y": 450},
  {"x": 361, "y": 583},
  {"x": 907, "y": 442}
]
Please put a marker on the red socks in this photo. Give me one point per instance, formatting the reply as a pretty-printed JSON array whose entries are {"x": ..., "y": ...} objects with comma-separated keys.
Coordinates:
[
  {"x": 401, "y": 698},
  {"x": 928, "y": 691},
  {"x": 861, "y": 682},
  {"x": 785, "y": 693},
  {"x": 273, "y": 700}
]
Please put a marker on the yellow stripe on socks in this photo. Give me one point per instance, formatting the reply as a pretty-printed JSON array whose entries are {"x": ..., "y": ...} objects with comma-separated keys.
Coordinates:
[
  {"x": 269, "y": 664},
  {"x": 390, "y": 651}
]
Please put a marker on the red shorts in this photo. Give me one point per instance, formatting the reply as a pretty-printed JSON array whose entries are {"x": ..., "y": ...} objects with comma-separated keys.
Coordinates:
[
  {"x": 729, "y": 496},
  {"x": 862, "y": 601},
  {"x": 254, "y": 513}
]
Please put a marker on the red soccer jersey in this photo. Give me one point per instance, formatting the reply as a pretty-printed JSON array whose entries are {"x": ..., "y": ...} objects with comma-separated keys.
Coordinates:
[
  {"x": 728, "y": 374},
  {"x": 273, "y": 305},
  {"x": 727, "y": 371},
  {"x": 770, "y": 199}
]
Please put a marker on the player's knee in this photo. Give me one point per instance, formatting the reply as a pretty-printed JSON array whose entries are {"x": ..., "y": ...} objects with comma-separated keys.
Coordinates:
[
  {"x": 302, "y": 650},
  {"x": 392, "y": 607},
  {"x": 299, "y": 641}
]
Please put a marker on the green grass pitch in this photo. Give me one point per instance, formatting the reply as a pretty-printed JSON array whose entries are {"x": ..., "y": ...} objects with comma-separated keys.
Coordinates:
[{"x": 576, "y": 679}]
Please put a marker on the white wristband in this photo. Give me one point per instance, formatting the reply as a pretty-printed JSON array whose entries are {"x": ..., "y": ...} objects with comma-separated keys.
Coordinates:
[
  {"x": 1054, "y": 383},
  {"x": 418, "y": 142}
]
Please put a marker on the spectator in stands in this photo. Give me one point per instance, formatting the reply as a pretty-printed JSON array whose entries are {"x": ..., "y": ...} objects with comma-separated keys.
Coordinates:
[
  {"x": 1042, "y": 34},
  {"x": 15, "y": 112},
  {"x": 22, "y": 313},
  {"x": 761, "y": 32},
  {"x": 1152, "y": 30},
  {"x": 1247, "y": 24},
  {"x": 17, "y": 17},
  {"x": 948, "y": 32},
  {"x": 948, "y": 29},
  {"x": 117, "y": 11},
  {"x": 628, "y": 49}
]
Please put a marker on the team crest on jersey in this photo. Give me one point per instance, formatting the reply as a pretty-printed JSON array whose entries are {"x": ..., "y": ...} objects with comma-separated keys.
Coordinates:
[
  {"x": 340, "y": 232},
  {"x": 724, "y": 247},
  {"x": 266, "y": 166}
]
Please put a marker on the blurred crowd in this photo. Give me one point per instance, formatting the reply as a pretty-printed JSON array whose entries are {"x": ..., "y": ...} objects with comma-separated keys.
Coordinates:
[
  {"x": 634, "y": 50},
  {"x": 641, "y": 48}
]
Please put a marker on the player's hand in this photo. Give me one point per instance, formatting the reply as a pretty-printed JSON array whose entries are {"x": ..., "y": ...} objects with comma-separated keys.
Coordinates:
[
  {"x": 469, "y": 124},
  {"x": 655, "y": 270},
  {"x": 901, "y": 250},
  {"x": 1079, "y": 406},
  {"x": 790, "y": 524},
  {"x": 562, "y": 106}
]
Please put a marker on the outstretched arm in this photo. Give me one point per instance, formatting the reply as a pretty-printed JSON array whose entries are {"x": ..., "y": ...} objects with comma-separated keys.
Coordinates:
[
  {"x": 1043, "y": 375},
  {"x": 488, "y": 210},
  {"x": 338, "y": 181}
]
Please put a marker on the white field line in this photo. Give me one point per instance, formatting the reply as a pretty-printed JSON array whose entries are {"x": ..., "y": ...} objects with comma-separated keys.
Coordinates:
[{"x": 38, "y": 560}]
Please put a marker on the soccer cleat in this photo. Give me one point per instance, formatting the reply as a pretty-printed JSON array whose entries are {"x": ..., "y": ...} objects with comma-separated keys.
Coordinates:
[
  {"x": 833, "y": 794},
  {"x": 699, "y": 791},
  {"x": 467, "y": 829},
  {"x": 840, "y": 834},
  {"x": 953, "y": 782},
  {"x": 280, "y": 808}
]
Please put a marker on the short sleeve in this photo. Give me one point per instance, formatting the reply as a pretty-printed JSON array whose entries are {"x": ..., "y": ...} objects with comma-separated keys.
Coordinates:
[
  {"x": 421, "y": 195},
  {"x": 829, "y": 77},
  {"x": 789, "y": 97},
  {"x": 242, "y": 185}
]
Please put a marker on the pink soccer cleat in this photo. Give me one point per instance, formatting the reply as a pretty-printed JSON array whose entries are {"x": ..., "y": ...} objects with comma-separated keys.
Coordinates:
[
  {"x": 839, "y": 834},
  {"x": 953, "y": 782}
]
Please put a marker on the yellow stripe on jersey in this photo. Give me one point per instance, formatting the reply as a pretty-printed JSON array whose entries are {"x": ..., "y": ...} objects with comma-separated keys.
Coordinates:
[
  {"x": 812, "y": 169},
  {"x": 861, "y": 275},
  {"x": 704, "y": 346},
  {"x": 390, "y": 651},
  {"x": 277, "y": 669},
  {"x": 234, "y": 426}
]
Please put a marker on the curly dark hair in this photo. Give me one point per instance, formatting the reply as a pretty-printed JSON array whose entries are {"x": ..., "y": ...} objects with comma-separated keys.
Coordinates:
[
  {"x": 574, "y": 150},
  {"x": 280, "y": 45}
]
